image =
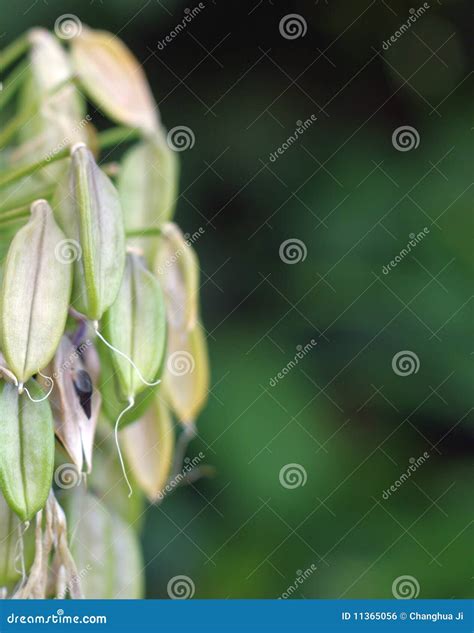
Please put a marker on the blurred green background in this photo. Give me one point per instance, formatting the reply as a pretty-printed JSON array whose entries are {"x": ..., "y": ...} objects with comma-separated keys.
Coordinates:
[{"x": 341, "y": 414}]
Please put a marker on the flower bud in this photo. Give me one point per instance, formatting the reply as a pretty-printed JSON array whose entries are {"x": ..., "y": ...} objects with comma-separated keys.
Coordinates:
[
  {"x": 186, "y": 374},
  {"x": 147, "y": 185},
  {"x": 89, "y": 211},
  {"x": 26, "y": 449},
  {"x": 177, "y": 268},
  {"x": 135, "y": 325},
  {"x": 114, "y": 79},
  {"x": 148, "y": 445},
  {"x": 35, "y": 294}
]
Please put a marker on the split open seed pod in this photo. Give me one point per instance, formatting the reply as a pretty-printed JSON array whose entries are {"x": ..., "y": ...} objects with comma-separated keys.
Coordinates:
[
  {"x": 186, "y": 374},
  {"x": 135, "y": 324},
  {"x": 147, "y": 184},
  {"x": 114, "y": 79},
  {"x": 35, "y": 294},
  {"x": 26, "y": 449},
  {"x": 177, "y": 268},
  {"x": 148, "y": 444},
  {"x": 88, "y": 209}
]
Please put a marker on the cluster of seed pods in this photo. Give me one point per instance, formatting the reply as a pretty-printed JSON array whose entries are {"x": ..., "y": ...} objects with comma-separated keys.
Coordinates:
[{"x": 103, "y": 358}]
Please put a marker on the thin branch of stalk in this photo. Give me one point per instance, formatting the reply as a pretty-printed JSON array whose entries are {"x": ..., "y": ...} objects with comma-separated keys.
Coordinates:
[
  {"x": 28, "y": 200},
  {"x": 13, "y": 83},
  {"x": 7, "y": 223},
  {"x": 143, "y": 232},
  {"x": 116, "y": 135},
  {"x": 14, "y": 213},
  {"x": 26, "y": 170},
  {"x": 13, "y": 51}
]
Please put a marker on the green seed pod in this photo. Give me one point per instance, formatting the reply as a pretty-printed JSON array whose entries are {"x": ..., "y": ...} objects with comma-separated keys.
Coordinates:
[
  {"x": 148, "y": 446},
  {"x": 114, "y": 79},
  {"x": 106, "y": 546},
  {"x": 147, "y": 184},
  {"x": 89, "y": 211},
  {"x": 35, "y": 294},
  {"x": 177, "y": 268},
  {"x": 186, "y": 375},
  {"x": 26, "y": 449},
  {"x": 135, "y": 325}
]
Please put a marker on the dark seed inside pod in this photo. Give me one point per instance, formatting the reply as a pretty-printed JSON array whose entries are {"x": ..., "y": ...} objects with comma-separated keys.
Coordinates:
[{"x": 83, "y": 387}]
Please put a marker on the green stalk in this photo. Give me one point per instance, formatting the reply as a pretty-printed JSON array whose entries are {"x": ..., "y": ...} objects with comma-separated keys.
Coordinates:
[
  {"x": 116, "y": 135},
  {"x": 14, "y": 50},
  {"x": 15, "y": 124},
  {"x": 13, "y": 213},
  {"x": 26, "y": 170},
  {"x": 13, "y": 82},
  {"x": 143, "y": 233}
]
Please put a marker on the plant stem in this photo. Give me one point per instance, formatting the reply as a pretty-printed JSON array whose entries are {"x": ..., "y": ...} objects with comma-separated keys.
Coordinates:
[
  {"x": 14, "y": 213},
  {"x": 116, "y": 135},
  {"x": 13, "y": 82},
  {"x": 15, "y": 124},
  {"x": 13, "y": 51},
  {"x": 26, "y": 170},
  {"x": 143, "y": 232}
]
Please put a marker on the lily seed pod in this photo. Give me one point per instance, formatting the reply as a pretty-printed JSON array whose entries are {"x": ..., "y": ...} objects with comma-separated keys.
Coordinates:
[
  {"x": 89, "y": 211},
  {"x": 117, "y": 574},
  {"x": 114, "y": 79},
  {"x": 147, "y": 185},
  {"x": 75, "y": 411},
  {"x": 186, "y": 374},
  {"x": 177, "y": 268},
  {"x": 10, "y": 527},
  {"x": 35, "y": 294},
  {"x": 149, "y": 445},
  {"x": 135, "y": 325},
  {"x": 26, "y": 449}
]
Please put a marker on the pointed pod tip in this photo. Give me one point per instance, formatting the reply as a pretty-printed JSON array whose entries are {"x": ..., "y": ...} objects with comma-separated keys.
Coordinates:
[
  {"x": 39, "y": 205},
  {"x": 76, "y": 147}
]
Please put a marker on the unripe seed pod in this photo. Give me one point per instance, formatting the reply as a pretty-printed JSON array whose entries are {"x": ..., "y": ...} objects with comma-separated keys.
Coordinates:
[
  {"x": 9, "y": 532},
  {"x": 114, "y": 79},
  {"x": 186, "y": 374},
  {"x": 89, "y": 211},
  {"x": 135, "y": 325},
  {"x": 149, "y": 445},
  {"x": 147, "y": 185},
  {"x": 177, "y": 268},
  {"x": 35, "y": 294},
  {"x": 26, "y": 449}
]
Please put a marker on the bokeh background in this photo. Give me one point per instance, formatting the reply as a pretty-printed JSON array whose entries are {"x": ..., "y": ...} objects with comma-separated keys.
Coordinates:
[{"x": 342, "y": 414}]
